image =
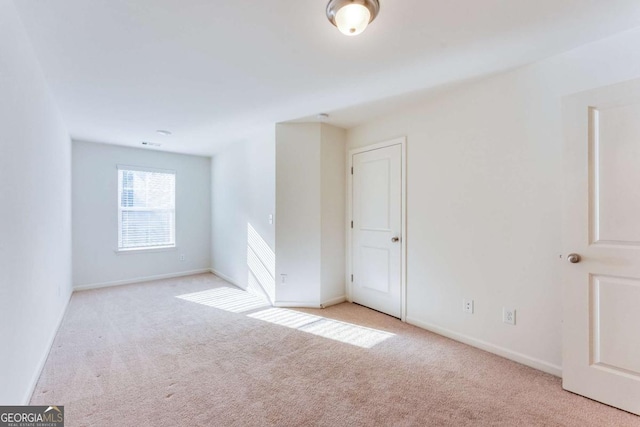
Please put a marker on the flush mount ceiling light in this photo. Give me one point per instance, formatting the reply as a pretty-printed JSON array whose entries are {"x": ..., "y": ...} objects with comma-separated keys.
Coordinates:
[
  {"x": 163, "y": 132},
  {"x": 352, "y": 16}
]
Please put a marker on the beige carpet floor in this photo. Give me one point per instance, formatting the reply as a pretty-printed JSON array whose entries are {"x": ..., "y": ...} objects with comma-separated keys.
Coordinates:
[{"x": 196, "y": 351}]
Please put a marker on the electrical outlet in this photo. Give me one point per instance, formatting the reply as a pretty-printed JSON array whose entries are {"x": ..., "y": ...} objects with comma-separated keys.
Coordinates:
[
  {"x": 283, "y": 278},
  {"x": 509, "y": 316},
  {"x": 183, "y": 257},
  {"x": 467, "y": 305},
  {"x": 271, "y": 219}
]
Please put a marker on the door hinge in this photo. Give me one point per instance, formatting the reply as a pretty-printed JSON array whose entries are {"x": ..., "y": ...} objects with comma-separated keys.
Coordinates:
[
  {"x": 351, "y": 224},
  {"x": 352, "y": 277},
  {"x": 351, "y": 170}
]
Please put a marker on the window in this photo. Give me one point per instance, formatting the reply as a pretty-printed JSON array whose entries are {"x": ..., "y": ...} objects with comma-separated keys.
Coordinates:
[{"x": 146, "y": 208}]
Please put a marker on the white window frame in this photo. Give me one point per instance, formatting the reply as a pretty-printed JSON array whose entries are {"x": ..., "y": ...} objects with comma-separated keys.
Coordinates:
[{"x": 146, "y": 249}]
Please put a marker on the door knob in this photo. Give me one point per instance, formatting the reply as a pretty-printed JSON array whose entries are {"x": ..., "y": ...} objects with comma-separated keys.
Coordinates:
[
  {"x": 573, "y": 258},
  {"x": 395, "y": 239}
]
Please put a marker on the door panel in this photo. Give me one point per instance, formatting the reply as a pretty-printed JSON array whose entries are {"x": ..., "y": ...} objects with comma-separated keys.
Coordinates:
[
  {"x": 375, "y": 269},
  {"x": 373, "y": 181},
  {"x": 601, "y": 293},
  {"x": 616, "y": 317},
  {"x": 616, "y": 172},
  {"x": 377, "y": 219}
]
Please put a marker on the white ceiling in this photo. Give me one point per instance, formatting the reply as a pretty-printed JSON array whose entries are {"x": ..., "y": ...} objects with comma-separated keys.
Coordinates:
[{"x": 214, "y": 72}]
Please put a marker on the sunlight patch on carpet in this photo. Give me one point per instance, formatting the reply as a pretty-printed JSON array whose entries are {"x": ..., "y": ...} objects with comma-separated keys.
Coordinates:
[
  {"x": 327, "y": 328},
  {"x": 236, "y": 300},
  {"x": 228, "y": 299}
]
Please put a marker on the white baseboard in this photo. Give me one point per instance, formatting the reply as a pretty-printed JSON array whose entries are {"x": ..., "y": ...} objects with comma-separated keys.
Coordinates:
[
  {"x": 225, "y": 277},
  {"x": 139, "y": 280},
  {"x": 491, "y": 348},
  {"x": 43, "y": 360},
  {"x": 296, "y": 304},
  {"x": 307, "y": 304},
  {"x": 333, "y": 301},
  {"x": 260, "y": 291}
]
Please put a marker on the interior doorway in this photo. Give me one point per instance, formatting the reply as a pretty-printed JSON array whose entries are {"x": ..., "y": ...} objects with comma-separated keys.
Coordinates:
[{"x": 377, "y": 227}]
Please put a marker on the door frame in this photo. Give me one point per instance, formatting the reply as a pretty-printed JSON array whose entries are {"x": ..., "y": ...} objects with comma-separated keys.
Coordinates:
[{"x": 402, "y": 141}]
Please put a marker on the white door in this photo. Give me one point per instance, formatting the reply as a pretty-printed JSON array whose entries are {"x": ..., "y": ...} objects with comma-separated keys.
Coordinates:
[
  {"x": 601, "y": 298},
  {"x": 377, "y": 229}
]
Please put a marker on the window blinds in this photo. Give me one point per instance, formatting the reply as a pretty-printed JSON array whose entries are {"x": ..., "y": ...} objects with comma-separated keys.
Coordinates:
[{"x": 146, "y": 208}]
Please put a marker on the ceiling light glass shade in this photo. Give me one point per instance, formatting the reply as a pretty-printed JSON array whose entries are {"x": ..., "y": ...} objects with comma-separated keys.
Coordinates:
[
  {"x": 352, "y": 16},
  {"x": 352, "y": 19}
]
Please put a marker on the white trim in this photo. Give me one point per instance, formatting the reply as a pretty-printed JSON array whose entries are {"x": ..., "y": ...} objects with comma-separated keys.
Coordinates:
[
  {"x": 402, "y": 141},
  {"x": 144, "y": 169},
  {"x": 145, "y": 250},
  {"x": 43, "y": 360},
  {"x": 295, "y": 304},
  {"x": 384, "y": 144},
  {"x": 334, "y": 301},
  {"x": 226, "y": 278},
  {"x": 532, "y": 362},
  {"x": 139, "y": 280},
  {"x": 261, "y": 292}
]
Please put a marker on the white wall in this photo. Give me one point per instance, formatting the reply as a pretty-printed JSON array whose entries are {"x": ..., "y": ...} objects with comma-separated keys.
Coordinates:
[
  {"x": 333, "y": 198},
  {"x": 310, "y": 200},
  {"x": 484, "y": 199},
  {"x": 243, "y": 188},
  {"x": 35, "y": 214},
  {"x": 95, "y": 215},
  {"x": 298, "y": 201}
]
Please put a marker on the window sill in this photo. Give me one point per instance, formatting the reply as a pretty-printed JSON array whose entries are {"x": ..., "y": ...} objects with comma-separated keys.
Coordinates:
[{"x": 145, "y": 250}]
